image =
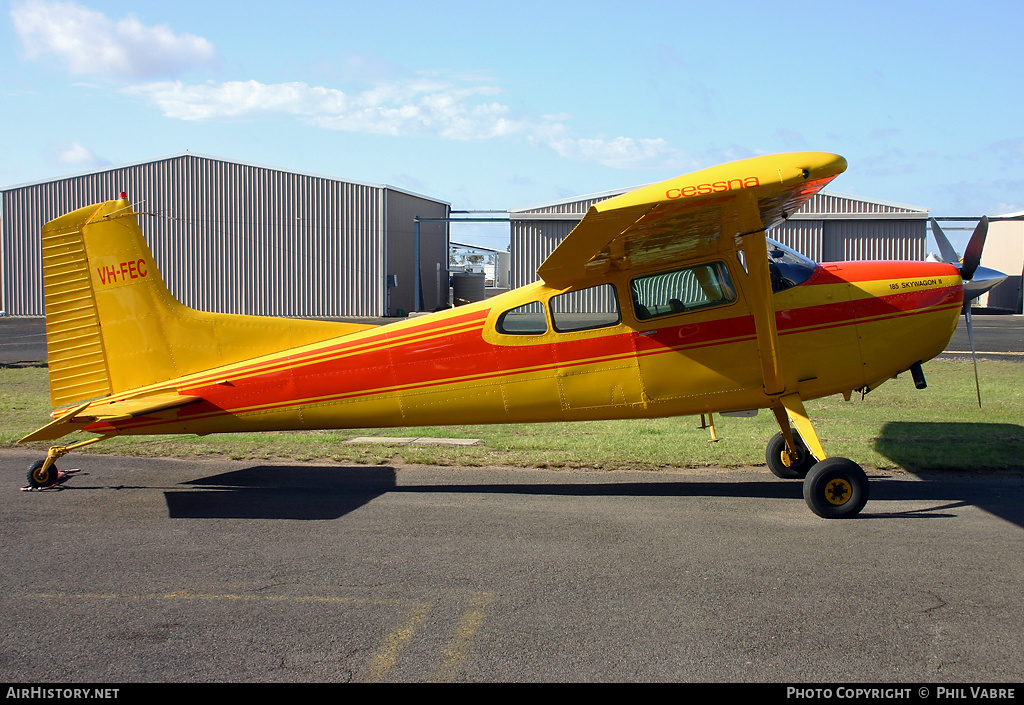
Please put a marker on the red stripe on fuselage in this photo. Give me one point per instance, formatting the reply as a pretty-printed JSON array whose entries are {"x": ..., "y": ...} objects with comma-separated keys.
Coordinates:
[{"x": 409, "y": 358}]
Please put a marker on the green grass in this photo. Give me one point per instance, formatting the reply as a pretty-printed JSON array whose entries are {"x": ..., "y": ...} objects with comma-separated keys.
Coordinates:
[{"x": 896, "y": 426}]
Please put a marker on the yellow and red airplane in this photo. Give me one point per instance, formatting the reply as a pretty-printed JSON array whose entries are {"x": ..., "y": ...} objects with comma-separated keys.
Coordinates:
[{"x": 665, "y": 301}]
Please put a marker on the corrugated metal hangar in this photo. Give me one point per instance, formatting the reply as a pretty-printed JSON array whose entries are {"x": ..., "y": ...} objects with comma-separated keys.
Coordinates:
[
  {"x": 830, "y": 227},
  {"x": 243, "y": 238}
]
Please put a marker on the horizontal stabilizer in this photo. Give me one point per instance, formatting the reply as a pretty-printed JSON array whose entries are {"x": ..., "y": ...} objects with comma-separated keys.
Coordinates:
[
  {"x": 138, "y": 406},
  {"x": 100, "y": 410},
  {"x": 61, "y": 426}
]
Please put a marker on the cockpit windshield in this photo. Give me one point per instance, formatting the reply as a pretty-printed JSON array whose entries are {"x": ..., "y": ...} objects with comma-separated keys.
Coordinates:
[{"x": 788, "y": 267}]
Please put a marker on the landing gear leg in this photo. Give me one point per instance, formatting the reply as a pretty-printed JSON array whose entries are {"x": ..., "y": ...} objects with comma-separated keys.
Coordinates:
[
  {"x": 834, "y": 488},
  {"x": 44, "y": 473},
  {"x": 708, "y": 421}
]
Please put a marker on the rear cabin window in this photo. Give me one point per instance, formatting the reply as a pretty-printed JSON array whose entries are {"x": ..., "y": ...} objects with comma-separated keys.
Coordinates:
[
  {"x": 681, "y": 290},
  {"x": 594, "y": 307},
  {"x": 527, "y": 319}
]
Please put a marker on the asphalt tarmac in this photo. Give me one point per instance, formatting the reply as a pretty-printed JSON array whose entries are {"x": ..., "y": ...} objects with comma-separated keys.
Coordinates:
[
  {"x": 202, "y": 571},
  {"x": 996, "y": 337}
]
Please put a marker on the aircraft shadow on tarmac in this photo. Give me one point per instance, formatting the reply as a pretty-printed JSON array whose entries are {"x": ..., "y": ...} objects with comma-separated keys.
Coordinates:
[
  {"x": 958, "y": 447},
  {"x": 951, "y": 453},
  {"x": 281, "y": 492},
  {"x": 313, "y": 493}
]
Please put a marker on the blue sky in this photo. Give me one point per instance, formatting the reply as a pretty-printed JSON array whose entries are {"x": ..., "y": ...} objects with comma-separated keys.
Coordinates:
[{"x": 508, "y": 104}]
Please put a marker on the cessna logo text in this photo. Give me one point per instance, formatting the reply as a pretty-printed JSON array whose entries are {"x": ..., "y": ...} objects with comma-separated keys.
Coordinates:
[
  {"x": 716, "y": 187},
  {"x": 130, "y": 269}
]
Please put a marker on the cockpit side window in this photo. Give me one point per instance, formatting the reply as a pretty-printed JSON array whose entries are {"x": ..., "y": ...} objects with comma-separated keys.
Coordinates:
[{"x": 681, "y": 290}]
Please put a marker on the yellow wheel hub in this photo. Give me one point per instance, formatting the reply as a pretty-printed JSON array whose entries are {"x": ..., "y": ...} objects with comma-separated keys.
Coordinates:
[{"x": 838, "y": 492}]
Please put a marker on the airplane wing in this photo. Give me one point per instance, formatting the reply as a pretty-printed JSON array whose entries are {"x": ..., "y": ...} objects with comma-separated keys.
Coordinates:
[{"x": 702, "y": 211}]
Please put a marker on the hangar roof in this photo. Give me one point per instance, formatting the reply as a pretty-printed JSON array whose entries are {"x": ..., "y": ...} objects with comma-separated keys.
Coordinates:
[{"x": 197, "y": 155}]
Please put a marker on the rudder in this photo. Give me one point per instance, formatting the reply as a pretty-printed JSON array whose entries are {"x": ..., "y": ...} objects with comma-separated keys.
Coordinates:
[{"x": 74, "y": 346}]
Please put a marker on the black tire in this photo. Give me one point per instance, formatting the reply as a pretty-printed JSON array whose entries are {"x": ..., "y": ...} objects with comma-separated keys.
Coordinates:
[
  {"x": 38, "y": 478},
  {"x": 836, "y": 488},
  {"x": 776, "y": 452}
]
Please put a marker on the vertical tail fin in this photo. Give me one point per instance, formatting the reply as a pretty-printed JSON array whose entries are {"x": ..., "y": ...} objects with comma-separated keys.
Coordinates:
[{"x": 112, "y": 325}]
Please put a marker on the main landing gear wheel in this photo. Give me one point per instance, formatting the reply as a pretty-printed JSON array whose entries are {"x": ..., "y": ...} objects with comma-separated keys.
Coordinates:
[
  {"x": 781, "y": 464},
  {"x": 39, "y": 478},
  {"x": 836, "y": 488}
]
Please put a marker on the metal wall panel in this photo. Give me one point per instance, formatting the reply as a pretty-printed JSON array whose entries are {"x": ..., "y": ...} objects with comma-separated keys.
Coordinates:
[
  {"x": 532, "y": 241},
  {"x": 402, "y": 211},
  {"x": 227, "y": 236},
  {"x": 804, "y": 236},
  {"x": 24, "y": 211},
  {"x": 846, "y": 240},
  {"x": 533, "y": 237}
]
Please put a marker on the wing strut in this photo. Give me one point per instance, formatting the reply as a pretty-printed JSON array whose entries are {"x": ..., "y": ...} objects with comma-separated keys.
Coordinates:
[
  {"x": 755, "y": 245},
  {"x": 787, "y": 406}
]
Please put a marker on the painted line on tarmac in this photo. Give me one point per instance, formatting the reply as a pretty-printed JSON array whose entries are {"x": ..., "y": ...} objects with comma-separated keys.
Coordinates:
[
  {"x": 462, "y": 641},
  {"x": 387, "y": 654}
]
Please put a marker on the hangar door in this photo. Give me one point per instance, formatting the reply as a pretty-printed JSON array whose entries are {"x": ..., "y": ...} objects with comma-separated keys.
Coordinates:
[{"x": 845, "y": 240}]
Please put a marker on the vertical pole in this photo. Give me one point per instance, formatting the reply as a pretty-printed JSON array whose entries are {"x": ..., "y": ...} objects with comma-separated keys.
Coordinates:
[{"x": 417, "y": 294}]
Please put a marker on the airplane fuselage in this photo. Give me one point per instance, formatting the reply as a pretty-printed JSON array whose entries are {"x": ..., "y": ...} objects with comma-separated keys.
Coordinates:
[{"x": 848, "y": 326}]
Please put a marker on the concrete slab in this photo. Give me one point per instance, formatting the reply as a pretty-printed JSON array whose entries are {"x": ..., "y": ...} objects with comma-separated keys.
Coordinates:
[{"x": 409, "y": 440}]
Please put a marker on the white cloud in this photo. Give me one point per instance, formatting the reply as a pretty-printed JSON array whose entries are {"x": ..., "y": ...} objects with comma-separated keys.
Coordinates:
[
  {"x": 415, "y": 107},
  {"x": 77, "y": 155},
  {"x": 620, "y": 153},
  {"x": 92, "y": 44},
  {"x": 418, "y": 107}
]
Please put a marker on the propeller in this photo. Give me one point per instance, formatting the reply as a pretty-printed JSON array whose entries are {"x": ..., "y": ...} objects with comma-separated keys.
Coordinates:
[
  {"x": 972, "y": 255},
  {"x": 976, "y": 279}
]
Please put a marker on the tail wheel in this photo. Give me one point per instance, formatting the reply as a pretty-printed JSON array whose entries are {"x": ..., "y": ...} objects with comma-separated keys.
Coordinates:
[
  {"x": 780, "y": 462},
  {"x": 40, "y": 477},
  {"x": 836, "y": 488}
]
